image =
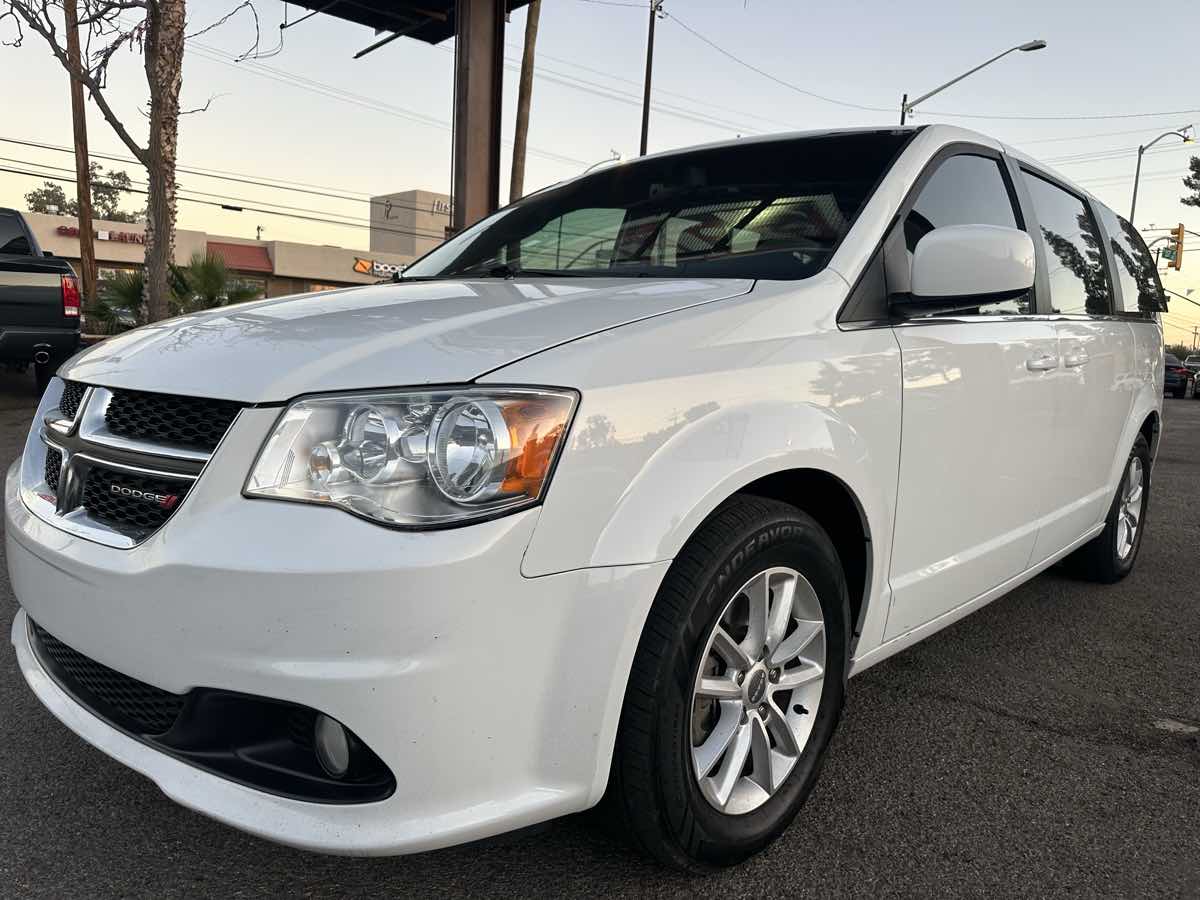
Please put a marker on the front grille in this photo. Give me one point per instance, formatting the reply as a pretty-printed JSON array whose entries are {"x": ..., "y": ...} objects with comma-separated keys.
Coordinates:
[
  {"x": 131, "y": 501},
  {"x": 71, "y": 395},
  {"x": 195, "y": 422},
  {"x": 53, "y": 468},
  {"x": 132, "y": 704}
]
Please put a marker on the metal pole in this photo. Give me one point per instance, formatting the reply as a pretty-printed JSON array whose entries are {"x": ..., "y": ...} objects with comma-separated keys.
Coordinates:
[
  {"x": 83, "y": 172},
  {"x": 1136, "y": 175},
  {"x": 654, "y": 6},
  {"x": 903, "y": 108},
  {"x": 516, "y": 184}
]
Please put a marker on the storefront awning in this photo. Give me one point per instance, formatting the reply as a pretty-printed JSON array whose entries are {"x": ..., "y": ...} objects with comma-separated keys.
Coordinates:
[{"x": 242, "y": 257}]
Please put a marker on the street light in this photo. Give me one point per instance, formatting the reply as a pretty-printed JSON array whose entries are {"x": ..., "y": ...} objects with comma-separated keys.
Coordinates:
[
  {"x": 906, "y": 107},
  {"x": 1181, "y": 133}
]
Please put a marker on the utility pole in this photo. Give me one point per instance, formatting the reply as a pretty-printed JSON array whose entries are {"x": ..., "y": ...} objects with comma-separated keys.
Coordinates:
[
  {"x": 655, "y": 8},
  {"x": 83, "y": 174},
  {"x": 516, "y": 185},
  {"x": 903, "y": 108}
]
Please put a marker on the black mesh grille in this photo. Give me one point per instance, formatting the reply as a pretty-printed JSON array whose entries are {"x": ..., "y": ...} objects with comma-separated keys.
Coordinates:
[
  {"x": 183, "y": 421},
  {"x": 53, "y": 467},
  {"x": 71, "y": 395},
  {"x": 135, "y": 705},
  {"x": 129, "y": 500}
]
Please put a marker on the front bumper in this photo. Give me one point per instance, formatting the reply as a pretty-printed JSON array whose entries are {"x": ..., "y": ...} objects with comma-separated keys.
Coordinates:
[{"x": 493, "y": 698}]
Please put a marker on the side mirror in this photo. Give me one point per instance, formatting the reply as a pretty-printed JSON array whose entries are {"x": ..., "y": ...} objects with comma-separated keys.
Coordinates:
[{"x": 962, "y": 266}]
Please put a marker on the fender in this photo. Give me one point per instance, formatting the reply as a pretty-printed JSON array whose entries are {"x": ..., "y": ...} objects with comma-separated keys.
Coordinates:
[{"x": 675, "y": 418}]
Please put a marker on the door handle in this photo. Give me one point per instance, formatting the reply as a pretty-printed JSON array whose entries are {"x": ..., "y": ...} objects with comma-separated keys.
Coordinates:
[
  {"x": 1075, "y": 358},
  {"x": 1043, "y": 363}
]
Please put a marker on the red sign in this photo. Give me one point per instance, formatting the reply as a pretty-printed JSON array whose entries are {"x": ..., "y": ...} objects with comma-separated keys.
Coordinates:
[{"x": 121, "y": 237}]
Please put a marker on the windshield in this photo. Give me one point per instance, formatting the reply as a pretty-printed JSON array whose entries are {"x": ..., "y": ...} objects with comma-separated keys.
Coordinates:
[{"x": 772, "y": 209}]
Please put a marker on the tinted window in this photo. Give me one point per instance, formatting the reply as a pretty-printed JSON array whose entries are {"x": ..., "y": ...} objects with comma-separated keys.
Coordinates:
[
  {"x": 1171, "y": 360},
  {"x": 12, "y": 236},
  {"x": 1141, "y": 290},
  {"x": 758, "y": 209},
  {"x": 964, "y": 190},
  {"x": 1074, "y": 261}
]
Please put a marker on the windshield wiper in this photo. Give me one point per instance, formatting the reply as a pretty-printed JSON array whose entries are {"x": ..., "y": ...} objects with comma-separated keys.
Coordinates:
[{"x": 494, "y": 269}]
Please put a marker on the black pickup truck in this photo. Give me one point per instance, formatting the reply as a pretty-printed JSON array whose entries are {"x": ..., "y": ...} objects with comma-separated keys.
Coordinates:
[{"x": 39, "y": 302}]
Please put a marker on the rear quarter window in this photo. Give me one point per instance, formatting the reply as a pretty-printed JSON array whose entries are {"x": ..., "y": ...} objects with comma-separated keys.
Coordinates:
[{"x": 1141, "y": 290}]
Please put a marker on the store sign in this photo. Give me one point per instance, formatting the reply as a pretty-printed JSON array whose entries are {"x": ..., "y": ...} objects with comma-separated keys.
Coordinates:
[
  {"x": 376, "y": 267},
  {"x": 120, "y": 237}
]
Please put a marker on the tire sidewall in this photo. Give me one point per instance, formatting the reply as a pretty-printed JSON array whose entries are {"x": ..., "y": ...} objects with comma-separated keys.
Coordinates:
[{"x": 798, "y": 542}]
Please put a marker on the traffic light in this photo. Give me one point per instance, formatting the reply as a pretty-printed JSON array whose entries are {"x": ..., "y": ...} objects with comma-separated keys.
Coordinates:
[{"x": 1176, "y": 257}]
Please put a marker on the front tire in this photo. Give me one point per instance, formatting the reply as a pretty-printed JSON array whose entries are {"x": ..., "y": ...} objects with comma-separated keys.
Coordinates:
[
  {"x": 1110, "y": 556},
  {"x": 736, "y": 689}
]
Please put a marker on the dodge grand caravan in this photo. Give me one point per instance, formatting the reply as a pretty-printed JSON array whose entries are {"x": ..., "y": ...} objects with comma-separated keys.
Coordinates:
[{"x": 607, "y": 498}]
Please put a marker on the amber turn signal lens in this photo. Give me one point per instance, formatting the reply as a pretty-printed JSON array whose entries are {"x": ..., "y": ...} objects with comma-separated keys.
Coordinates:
[{"x": 535, "y": 428}]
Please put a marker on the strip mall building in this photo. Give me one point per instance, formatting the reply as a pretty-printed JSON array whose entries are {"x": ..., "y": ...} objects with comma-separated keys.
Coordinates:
[{"x": 276, "y": 268}]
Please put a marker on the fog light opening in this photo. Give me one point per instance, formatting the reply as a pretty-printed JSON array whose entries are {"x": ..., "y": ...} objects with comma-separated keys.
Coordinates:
[{"x": 332, "y": 743}]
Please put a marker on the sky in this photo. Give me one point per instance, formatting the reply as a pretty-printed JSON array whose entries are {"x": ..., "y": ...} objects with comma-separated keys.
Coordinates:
[{"x": 306, "y": 114}]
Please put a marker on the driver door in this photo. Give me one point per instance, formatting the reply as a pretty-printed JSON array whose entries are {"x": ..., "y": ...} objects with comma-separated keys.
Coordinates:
[{"x": 978, "y": 411}]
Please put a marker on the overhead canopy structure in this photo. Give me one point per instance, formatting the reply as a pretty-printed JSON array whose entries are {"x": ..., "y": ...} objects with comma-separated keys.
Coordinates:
[
  {"x": 478, "y": 26},
  {"x": 431, "y": 21}
]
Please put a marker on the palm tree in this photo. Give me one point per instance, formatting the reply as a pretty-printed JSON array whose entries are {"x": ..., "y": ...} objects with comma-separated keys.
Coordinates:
[
  {"x": 117, "y": 305},
  {"x": 207, "y": 282}
]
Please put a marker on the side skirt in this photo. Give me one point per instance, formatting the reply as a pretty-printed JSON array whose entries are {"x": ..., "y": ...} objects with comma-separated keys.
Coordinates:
[{"x": 906, "y": 640}]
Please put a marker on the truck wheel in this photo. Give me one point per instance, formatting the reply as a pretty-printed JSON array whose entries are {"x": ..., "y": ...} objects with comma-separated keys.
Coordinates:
[{"x": 736, "y": 688}]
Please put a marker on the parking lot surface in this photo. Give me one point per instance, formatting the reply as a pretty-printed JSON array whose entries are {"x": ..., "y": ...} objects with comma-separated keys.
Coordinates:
[{"x": 1047, "y": 745}]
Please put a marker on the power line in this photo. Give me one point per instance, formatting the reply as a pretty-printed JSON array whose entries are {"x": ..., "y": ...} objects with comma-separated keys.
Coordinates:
[
  {"x": 851, "y": 105},
  {"x": 1062, "y": 118},
  {"x": 1110, "y": 154},
  {"x": 658, "y": 91},
  {"x": 209, "y": 173},
  {"x": 301, "y": 209},
  {"x": 301, "y": 82},
  {"x": 765, "y": 74},
  {"x": 1085, "y": 137},
  {"x": 214, "y": 203}
]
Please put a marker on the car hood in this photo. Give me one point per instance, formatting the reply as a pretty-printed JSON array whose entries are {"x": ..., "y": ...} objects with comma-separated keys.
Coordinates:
[{"x": 433, "y": 332}]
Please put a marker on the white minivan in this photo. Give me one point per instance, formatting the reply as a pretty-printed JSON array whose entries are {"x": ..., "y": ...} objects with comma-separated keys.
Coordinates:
[{"x": 607, "y": 498}]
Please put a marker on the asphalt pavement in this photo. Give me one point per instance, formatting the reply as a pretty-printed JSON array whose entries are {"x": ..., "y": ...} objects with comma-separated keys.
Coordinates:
[{"x": 1048, "y": 745}]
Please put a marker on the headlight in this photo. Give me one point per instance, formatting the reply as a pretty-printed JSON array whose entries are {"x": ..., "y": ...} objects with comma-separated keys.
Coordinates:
[{"x": 418, "y": 458}]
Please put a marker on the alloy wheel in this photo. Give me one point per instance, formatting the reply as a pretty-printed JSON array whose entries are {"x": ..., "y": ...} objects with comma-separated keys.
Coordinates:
[
  {"x": 1129, "y": 508},
  {"x": 756, "y": 695}
]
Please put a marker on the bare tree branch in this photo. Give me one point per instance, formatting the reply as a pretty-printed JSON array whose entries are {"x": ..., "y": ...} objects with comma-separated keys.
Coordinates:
[
  {"x": 39, "y": 18},
  {"x": 204, "y": 108}
]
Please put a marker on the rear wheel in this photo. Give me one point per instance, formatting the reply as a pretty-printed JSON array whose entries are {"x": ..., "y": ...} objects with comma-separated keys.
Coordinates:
[
  {"x": 1111, "y": 554},
  {"x": 737, "y": 687}
]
